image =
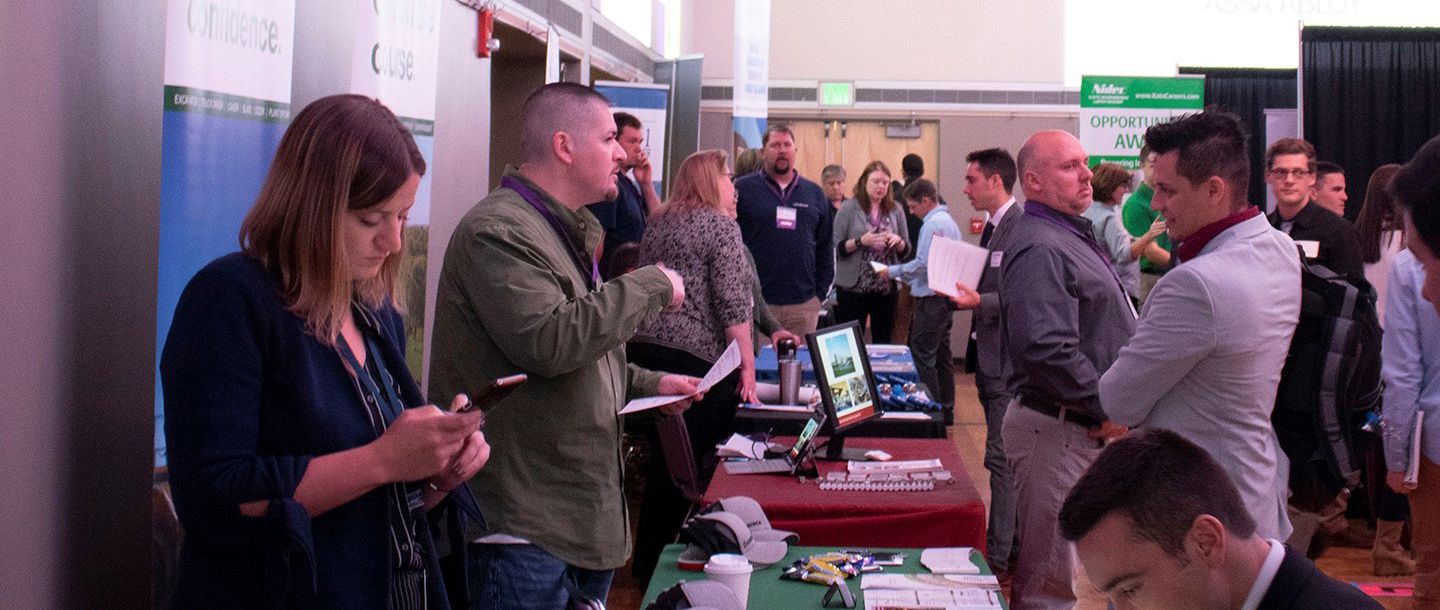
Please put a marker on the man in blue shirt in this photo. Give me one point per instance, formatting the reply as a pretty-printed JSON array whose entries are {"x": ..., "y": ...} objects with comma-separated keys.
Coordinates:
[
  {"x": 785, "y": 221},
  {"x": 624, "y": 216},
  {"x": 930, "y": 327}
]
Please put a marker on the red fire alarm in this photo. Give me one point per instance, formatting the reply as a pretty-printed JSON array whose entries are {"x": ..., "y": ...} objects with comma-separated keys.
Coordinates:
[
  {"x": 486, "y": 27},
  {"x": 977, "y": 225}
]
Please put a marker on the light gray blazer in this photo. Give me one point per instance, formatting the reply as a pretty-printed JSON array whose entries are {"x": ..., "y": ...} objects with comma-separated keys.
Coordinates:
[
  {"x": 850, "y": 223},
  {"x": 1206, "y": 358}
]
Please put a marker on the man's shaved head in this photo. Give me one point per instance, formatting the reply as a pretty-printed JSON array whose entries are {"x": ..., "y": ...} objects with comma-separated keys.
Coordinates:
[{"x": 555, "y": 107}]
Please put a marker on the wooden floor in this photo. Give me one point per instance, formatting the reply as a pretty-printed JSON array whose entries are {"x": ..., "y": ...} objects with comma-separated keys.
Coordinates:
[{"x": 968, "y": 433}]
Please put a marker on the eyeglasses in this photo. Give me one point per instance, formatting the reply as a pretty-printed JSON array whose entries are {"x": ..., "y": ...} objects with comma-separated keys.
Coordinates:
[{"x": 1280, "y": 174}]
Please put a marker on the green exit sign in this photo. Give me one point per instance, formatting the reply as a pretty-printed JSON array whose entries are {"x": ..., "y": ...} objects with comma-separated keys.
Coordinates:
[{"x": 837, "y": 94}]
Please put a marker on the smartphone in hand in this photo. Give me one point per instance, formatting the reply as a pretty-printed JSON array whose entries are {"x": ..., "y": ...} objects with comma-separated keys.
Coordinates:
[{"x": 499, "y": 389}]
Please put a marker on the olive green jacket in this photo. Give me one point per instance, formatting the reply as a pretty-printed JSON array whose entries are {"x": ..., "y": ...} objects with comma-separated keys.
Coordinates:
[{"x": 511, "y": 300}]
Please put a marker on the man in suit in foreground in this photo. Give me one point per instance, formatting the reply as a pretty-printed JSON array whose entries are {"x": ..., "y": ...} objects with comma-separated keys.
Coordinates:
[
  {"x": 989, "y": 179},
  {"x": 1206, "y": 356},
  {"x": 1158, "y": 524}
]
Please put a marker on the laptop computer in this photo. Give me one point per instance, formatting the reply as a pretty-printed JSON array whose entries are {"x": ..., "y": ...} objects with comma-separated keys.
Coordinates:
[{"x": 789, "y": 463}]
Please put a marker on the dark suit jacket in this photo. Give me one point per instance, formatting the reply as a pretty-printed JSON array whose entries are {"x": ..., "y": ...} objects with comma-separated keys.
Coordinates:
[
  {"x": 1339, "y": 241},
  {"x": 1300, "y": 586},
  {"x": 992, "y": 364}
]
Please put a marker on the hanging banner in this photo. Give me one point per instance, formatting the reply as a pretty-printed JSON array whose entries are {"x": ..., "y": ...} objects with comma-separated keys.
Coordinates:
[
  {"x": 751, "y": 94},
  {"x": 395, "y": 60},
  {"x": 648, "y": 103},
  {"x": 1115, "y": 111},
  {"x": 227, "y": 103}
]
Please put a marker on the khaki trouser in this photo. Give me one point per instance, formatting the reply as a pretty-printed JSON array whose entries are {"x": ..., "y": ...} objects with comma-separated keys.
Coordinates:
[
  {"x": 1048, "y": 455},
  {"x": 800, "y": 318}
]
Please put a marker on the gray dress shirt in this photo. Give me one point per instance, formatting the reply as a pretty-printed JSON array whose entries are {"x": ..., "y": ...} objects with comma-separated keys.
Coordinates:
[{"x": 1064, "y": 314}]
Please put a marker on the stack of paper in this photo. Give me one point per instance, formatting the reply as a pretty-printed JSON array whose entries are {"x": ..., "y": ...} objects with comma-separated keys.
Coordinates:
[
  {"x": 966, "y": 599},
  {"x": 930, "y": 591},
  {"x": 950, "y": 560},
  {"x": 897, "y": 467},
  {"x": 954, "y": 261}
]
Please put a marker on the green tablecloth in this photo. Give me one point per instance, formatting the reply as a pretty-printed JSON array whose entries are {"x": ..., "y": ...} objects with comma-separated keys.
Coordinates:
[{"x": 768, "y": 591}]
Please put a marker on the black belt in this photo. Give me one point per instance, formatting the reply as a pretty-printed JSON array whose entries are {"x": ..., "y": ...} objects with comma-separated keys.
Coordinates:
[{"x": 1067, "y": 414}]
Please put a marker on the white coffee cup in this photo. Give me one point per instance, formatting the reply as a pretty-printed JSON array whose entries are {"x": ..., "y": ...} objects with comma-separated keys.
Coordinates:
[{"x": 733, "y": 571}]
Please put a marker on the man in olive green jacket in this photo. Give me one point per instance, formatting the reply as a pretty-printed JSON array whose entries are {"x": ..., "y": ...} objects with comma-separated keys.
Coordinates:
[{"x": 519, "y": 293}]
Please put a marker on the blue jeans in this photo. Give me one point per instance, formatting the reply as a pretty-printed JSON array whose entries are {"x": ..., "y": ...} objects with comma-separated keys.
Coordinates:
[{"x": 525, "y": 577}]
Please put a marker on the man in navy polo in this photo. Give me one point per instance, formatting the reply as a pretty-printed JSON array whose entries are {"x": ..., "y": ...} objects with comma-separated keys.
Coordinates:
[
  {"x": 785, "y": 221},
  {"x": 624, "y": 216}
]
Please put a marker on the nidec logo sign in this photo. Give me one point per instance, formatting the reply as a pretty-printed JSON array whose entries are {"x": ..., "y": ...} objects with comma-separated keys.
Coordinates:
[{"x": 1107, "y": 89}]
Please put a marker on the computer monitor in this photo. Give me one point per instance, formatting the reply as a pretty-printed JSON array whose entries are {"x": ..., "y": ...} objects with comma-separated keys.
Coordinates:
[{"x": 847, "y": 387}]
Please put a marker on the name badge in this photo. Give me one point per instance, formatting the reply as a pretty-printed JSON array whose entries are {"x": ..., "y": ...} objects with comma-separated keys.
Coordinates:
[
  {"x": 785, "y": 218},
  {"x": 1310, "y": 247},
  {"x": 995, "y": 258}
]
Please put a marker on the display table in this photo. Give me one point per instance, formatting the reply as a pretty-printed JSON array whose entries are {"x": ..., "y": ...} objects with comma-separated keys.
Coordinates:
[
  {"x": 950, "y": 515},
  {"x": 768, "y": 590}
]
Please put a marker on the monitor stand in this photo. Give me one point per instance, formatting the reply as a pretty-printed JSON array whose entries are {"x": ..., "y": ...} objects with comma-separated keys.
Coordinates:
[{"x": 834, "y": 450}]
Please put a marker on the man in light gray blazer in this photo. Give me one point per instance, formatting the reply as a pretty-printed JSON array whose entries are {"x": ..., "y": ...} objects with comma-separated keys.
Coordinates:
[{"x": 1206, "y": 356}]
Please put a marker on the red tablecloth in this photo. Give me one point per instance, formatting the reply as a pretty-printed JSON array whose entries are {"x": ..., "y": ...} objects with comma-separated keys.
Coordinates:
[{"x": 950, "y": 515}]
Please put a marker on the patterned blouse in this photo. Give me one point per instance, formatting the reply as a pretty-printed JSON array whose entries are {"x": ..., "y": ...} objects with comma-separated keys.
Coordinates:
[{"x": 704, "y": 247}]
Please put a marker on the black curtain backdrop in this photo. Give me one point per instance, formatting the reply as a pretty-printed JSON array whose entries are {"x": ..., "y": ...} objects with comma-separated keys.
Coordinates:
[
  {"x": 1371, "y": 96},
  {"x": 1247, "y": 92}
]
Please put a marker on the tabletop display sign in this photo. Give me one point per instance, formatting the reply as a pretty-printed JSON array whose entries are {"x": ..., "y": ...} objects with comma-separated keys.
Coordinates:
[
  {"x": 226, "y": 105},
  {"x": 1115, "y": 111},
  {"x": 395, "y": 60}
]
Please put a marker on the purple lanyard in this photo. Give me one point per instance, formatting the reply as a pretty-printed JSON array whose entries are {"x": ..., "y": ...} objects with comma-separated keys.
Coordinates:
[
  {"x": 783, "y": 194},
  {"x": 1089, "y": 241},
  {"x": 533, "y": 198}
]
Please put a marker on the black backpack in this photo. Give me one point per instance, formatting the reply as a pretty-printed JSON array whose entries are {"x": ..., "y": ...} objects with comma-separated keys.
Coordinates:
[{"x": 1330, "y": 381}]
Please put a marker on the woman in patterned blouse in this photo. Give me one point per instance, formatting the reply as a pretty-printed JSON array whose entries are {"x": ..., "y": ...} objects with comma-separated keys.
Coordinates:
[{"x": 696, "y": 235}]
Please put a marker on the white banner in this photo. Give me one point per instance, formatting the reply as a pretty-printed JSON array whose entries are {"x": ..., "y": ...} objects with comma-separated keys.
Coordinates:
[
  {"x": 236, "y": 47},
  {"x": 752, "y": 58},
  {"x": 397, "y": 52}
]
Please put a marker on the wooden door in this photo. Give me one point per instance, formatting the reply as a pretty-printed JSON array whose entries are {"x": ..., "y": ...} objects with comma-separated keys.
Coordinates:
[{"x": 861, "y": 143}]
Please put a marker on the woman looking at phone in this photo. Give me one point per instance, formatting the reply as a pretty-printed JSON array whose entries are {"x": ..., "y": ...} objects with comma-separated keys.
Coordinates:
[{"x": 302, "y": 456}]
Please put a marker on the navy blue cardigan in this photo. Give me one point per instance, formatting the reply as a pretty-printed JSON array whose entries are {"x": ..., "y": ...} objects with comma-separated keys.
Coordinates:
[{"x": 250, "y": 398}]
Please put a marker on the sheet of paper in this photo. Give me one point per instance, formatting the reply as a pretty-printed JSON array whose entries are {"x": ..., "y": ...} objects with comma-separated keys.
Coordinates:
[
  {"x": 728, "y": 361},
  {"x": 740, "y": 446},
  {"x": 1412, "y": 474},
  {"x": 878, "y": 267},
  {"x": 650, "y": 402},
  {"x": 953, "y": 261}
]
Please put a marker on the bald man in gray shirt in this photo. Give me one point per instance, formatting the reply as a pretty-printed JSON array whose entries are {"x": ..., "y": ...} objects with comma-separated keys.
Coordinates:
[{"x": 1064, "y": 318}]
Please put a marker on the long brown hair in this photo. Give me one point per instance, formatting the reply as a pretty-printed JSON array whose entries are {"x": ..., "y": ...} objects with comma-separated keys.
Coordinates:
[
  {"x": 1378, "y": 214},
  {"x": 887, "y": 203},
  {"x": 342, "y": 152},
  {"x": 697, "y": 182}
]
